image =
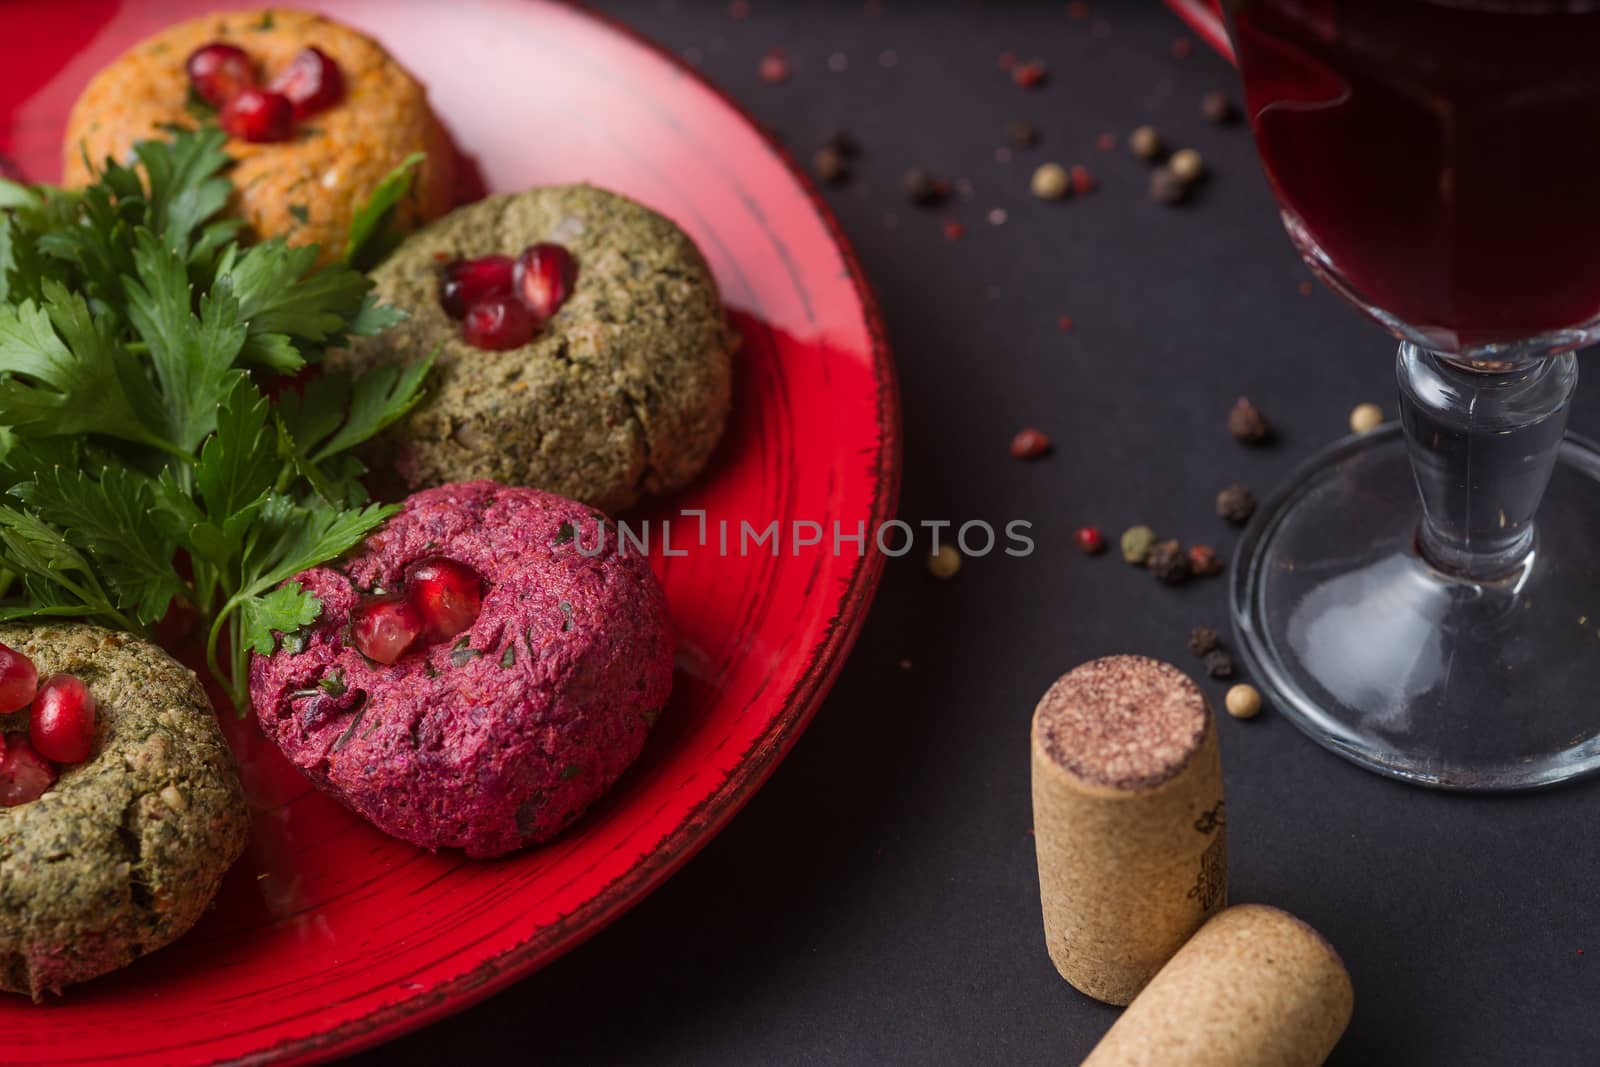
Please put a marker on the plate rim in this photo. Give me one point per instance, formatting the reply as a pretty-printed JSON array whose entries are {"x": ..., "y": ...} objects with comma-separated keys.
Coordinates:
[{"x": 712, "y": 814}]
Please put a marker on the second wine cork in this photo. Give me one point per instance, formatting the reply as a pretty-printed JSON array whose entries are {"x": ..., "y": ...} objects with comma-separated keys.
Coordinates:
[
  {"x": 1256, "y": 987},
  {"x": 1129, "y": 822}
]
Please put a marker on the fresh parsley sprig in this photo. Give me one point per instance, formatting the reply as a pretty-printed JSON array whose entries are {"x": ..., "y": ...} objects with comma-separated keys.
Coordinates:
[{"x": 141, "y": 462}]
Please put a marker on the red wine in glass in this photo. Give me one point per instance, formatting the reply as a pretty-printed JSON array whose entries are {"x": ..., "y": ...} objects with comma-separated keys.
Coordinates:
[{"x": 1438, "y": 160}]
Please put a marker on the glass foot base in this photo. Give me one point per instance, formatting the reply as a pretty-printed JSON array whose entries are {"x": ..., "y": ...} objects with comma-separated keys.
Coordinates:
[{"x": 1410, "y": 673}]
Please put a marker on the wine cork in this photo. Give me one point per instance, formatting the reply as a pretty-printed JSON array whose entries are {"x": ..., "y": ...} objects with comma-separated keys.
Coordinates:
[
  {"x": 1256, "y": 987},
  {"x": 1128, "y": 821}
]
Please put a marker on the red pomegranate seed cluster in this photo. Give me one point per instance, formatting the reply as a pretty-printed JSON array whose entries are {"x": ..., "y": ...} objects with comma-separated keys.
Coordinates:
[
  {"x": 61, "y": 725},
  {"x": 502, "y": 302},
  {"x": 224, "y": 76},
  {"x": 442, "y": 598}
]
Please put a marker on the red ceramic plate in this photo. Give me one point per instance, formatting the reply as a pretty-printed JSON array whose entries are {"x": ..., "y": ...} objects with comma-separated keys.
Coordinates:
[{"x": 328, "y": 935}]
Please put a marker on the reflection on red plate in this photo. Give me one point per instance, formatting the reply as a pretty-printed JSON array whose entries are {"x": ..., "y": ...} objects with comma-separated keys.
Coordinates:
[{"x": 329, "y": 935}]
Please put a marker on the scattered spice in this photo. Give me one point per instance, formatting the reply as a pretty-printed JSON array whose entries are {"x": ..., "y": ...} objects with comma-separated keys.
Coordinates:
[
  {"x": 1306, "y": 288},
  {"x": 1089, "y": 540},
  {"x": 1145, "y": 143},
  {"x": 1022, "y": 134},
  {"x": 1106, "y": 142},
  {"x": 1136, "y": 542},
  {"x": 1236, "y": 504},
  {"x": 1029, "y": 444},
  {"x": 953, "y": 230},
  {"x": 1182, "y": 48},
  {"x": 1246, "y": 423},
  {"x": 1029, "y": 75},
  {"x": 944, "y": 563},
  {"x": 739, "y": 9},
  {"x": 1203, "y": 561},
  {"x": 1082, "y": 181},
  {"x": 774, "y": 67},
  {"x": 1078, "y": 10},
  {"x": 1217, "y": 106},
  {"x": 1051, "y": 182},
  {"x": 997, "y": 216},
  {"x": 1243, "y": 701},
  {"x": 1166, "y": 560},
  {"x": 838, "y": 62},
  {"x": 829, "y": 165},
  {"x": 1008, "y": 61},
  {"x": 1064, "y": 324},
  {"x": 1202, "y": 640},
  {"x": 1187, "y": 166},
  {"x": 905, "y": 665},
  {"x": 1166, "y": 187},
  {"x": 923, "y": 188},
  {"x": 1219, "y": 664},
  {"x": 1364, "y": 418},
  {"x": 844, "y": 144}
]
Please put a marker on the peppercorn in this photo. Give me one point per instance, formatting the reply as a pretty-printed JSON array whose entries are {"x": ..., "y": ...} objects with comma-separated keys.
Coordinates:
[
  {"x": 1089, "y": 540},
  {"x": 1022, "y": 134},
  {"x": 1246, "y": 422},
  {"x": 1203, "y": 639},
  {"x": 1365, "y": 418},
  {"x": 1217, "y": 107},
  {"x": 1187, "y": 166},
  {"x": 1051, "y": 182},
  {"x": 923, "y": 188},
  {"x": 1145, "y": 143},
  {"x": 1236, "y": 504},
  {"x": 1165, "y": 188},
  {"x": 1167, "y": 562},
  {"x": 1243, "y": 701},
  {"x": 1029, "y": 444},
  {"x": 1219, "y": 664},
  {"x": 1203, "y": 561},
  {"x": 1136, "y": 542},
  {"x": 944, "y": 563},
  {"x": 1029, "y": 75},
  {"x": 844, "y": 144},
  {"x": 829, "y": 165}
]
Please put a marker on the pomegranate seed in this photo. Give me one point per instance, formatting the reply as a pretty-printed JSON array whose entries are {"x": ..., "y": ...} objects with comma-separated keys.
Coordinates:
[
  {"x": 218, "y": 72},
  {"x": 1089, "y": 540},
  {"x": 383, "y": 627},
  {"x": 61, "y": 724},
  {"x": 446, "y": 595},
  {"x": 774, "y": 68},
  {"x": 1029, "y": 75},
  {"x": 18, "y": 680},
  {"x": 953, "y": 230},
  {"x": 1029, "y": 444},
  {"x": 311, "y": 81},
  {"x": 464, "y": 282},
  {"x": 24, "y": 774},
  {"x": 1082, "y": 180},
  {"x": 543, "y": 278},
  {"x": 498, "y": 323},
  {"x": 258, "y": 115}
]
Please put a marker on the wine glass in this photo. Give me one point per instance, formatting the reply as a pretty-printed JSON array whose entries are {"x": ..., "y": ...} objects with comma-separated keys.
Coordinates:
[{"x": 1436, "y": 163}]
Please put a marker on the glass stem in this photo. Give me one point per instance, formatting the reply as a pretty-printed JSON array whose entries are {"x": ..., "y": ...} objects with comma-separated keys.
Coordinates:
[{"x": 1483, "y": 443}]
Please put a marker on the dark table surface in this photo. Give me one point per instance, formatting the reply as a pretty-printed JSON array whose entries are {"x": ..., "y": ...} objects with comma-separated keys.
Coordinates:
[{"x": 878, "y": 901}]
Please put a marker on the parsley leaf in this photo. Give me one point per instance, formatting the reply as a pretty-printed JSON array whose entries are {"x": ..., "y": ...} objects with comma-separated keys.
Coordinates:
[{"x": 372, "y": 233}]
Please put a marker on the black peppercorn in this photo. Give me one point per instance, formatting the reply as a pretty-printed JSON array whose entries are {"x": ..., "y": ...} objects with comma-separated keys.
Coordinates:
[
  {"x": 1166, "y": 187},
  {"x": 1203, "y": 640},
  {"x": 1217, "y": 107},
  {"x": 1219, "y": 664},
  {"x": 1236, "y": 504},
  {"x": 842, "y": 143},
  {"x": 1022, "y": 134},
  {"x": 923, "y": 188},
  {"x": 1246, "y": 422},
  {"x": 829, "y": 165},
  {"x": 1168, "y": 562}
]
